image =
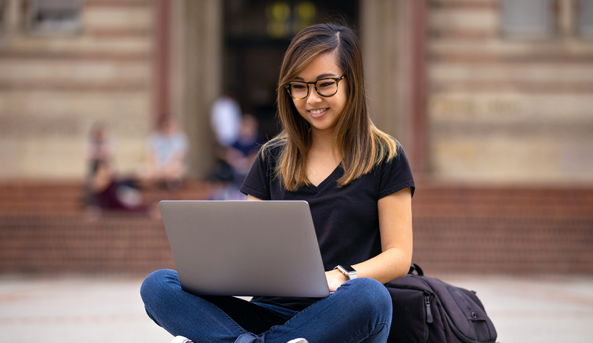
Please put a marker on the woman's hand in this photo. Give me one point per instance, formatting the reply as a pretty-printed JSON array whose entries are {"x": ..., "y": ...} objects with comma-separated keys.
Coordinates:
[{"x": 335, "y": 279}]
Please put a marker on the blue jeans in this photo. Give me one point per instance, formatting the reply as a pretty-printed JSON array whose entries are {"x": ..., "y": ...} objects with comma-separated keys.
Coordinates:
[{"x": 359, "y": 311}]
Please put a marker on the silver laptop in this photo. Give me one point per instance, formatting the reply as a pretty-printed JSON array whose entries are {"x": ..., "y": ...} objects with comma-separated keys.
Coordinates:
[{"x": 245, "y": 248}]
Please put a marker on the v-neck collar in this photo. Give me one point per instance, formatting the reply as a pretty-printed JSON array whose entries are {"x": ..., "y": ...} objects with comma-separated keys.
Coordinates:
[{"x": 330, "y": 178}]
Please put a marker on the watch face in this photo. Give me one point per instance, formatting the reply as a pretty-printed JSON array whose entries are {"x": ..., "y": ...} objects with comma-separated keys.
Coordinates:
[
  {"x": 348, "y": 268},
  {"x": 348, "y": 271}
]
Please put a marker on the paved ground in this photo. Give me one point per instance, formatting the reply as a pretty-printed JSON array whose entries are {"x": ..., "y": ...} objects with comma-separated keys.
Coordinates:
[{"x": 108, "y": 309}]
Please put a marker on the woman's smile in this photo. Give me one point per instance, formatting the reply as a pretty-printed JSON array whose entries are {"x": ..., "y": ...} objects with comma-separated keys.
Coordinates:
[{"x": 319, "y": 112}]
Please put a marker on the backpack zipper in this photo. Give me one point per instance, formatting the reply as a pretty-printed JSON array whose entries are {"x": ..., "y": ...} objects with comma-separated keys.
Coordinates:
[
  {"x": 428, "y": 313},
  {"x": 428, "y": 310}
]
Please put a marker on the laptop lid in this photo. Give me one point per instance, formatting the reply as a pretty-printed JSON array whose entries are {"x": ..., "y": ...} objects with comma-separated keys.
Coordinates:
[{"x": 245, "y": 248}]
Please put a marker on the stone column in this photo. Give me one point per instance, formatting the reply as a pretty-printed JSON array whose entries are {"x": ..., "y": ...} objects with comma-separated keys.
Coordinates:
[
  {"x": 13, "y": 18},
  {"x": 196, "y": 75},
  {"x": 385, "y": 37},
  {"x": 566, "y": 18},
  {"x": 394, "y": 73}
]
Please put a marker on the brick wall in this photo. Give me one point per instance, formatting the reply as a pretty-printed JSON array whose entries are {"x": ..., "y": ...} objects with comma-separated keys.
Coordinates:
[
  {"x": 457, "y": 229},
  {"x": 503, "y": 229},
  {"x": 71, "y": 244},
  {"x": 45, "y": 229}
]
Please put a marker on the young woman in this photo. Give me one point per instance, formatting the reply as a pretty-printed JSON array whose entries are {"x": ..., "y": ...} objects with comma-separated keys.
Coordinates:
[{"x": 359, "y": 187}]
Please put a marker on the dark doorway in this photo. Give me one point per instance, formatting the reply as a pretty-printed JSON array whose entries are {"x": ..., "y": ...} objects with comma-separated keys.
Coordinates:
[{"x": 256, "y": 34}]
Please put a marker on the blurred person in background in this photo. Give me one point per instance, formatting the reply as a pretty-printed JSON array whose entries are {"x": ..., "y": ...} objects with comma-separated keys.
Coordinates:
[
  {"x": 167, "y": 150},
  {"x": 113, "y": 194},
  {"x": 225, "y": 120},
  {"x": 239, "y": 156},
  {"x": 99, "y": 145},
  {"x": 98, "y": 149},
  {"x": 104, "y": 190},
  {"x": 242, "y": 152}
]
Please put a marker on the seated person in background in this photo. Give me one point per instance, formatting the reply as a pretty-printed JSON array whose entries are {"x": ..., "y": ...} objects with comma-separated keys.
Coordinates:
[
  {"x": 111, "y": 194},
  {"x": 241, "y": 154},
  {"x": 239, "y": 157},
  {"x": 99, "y": 146},
  {"x": 167, "y": 148},
  {"x": 98, "y": 149}
]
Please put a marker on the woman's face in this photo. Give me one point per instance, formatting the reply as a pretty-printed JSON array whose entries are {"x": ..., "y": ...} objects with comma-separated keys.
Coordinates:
[{"x": 322, "y": 112}]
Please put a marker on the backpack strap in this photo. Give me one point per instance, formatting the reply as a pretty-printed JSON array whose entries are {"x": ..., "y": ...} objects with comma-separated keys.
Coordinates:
[{"x": 417, "y": 268}]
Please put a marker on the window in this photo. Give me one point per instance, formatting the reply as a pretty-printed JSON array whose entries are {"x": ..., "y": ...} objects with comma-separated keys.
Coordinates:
[
  {"x": 527, "y": 19},
  {"x": 2, "y": 16},
  {"x": 54, "y": 16},
  {"x": 585, "y": 18}
]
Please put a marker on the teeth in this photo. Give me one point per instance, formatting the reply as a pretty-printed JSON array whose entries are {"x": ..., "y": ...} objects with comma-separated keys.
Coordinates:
[{"x": 317, "y": 111}]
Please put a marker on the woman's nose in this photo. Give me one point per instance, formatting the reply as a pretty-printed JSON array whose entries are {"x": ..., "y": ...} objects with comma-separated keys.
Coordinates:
[{"x": 313, "y": 96}]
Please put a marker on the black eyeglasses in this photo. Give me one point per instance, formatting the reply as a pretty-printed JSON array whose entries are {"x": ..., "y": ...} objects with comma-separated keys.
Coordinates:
[{"x": 299, "y": 90}]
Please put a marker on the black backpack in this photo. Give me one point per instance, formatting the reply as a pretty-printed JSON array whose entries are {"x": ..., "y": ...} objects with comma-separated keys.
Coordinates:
[{"x": 426, "y": 309}]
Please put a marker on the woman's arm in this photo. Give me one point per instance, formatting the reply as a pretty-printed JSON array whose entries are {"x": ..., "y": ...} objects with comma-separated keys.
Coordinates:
[{"x": 395, "y": 225}]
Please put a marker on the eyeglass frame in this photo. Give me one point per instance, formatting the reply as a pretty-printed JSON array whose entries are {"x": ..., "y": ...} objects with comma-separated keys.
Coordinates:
[{"x": 314, "y": 83}]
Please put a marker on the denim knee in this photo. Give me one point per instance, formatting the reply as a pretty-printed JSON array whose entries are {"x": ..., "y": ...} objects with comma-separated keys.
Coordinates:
[
  {"x": 155, "y": 286},
  {"x": 372, "y": 298}
]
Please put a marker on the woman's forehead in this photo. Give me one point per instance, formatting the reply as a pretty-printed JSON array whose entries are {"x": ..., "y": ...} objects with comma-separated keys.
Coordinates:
[{"x": 323, "y": 65}]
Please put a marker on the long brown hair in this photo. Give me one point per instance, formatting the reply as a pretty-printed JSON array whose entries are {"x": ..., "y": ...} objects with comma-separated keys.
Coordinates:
[{"x": 360, "y": 144}]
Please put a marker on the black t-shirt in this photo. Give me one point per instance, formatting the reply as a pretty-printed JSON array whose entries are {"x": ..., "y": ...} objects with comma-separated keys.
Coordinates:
[{"x": 346, "y": 219}]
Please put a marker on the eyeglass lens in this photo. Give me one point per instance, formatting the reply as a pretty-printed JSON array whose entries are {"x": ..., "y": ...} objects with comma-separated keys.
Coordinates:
[{"x": 324, "y": 88}]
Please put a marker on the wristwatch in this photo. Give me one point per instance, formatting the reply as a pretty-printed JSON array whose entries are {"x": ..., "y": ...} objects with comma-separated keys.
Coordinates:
[{"x": 347, "y": 270}]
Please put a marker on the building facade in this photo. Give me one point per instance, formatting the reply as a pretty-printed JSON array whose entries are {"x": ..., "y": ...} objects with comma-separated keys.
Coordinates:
[
  {"x": 474, "y": 94},
  {"x": 65, "y": 66}
]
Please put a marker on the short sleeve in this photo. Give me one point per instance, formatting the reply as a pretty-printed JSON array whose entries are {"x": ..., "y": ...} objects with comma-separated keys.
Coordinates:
[
  {"x": 258, "y": 181},
  {"x": 181, "y": 142},
  {"x": 396, "y": 175}
]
